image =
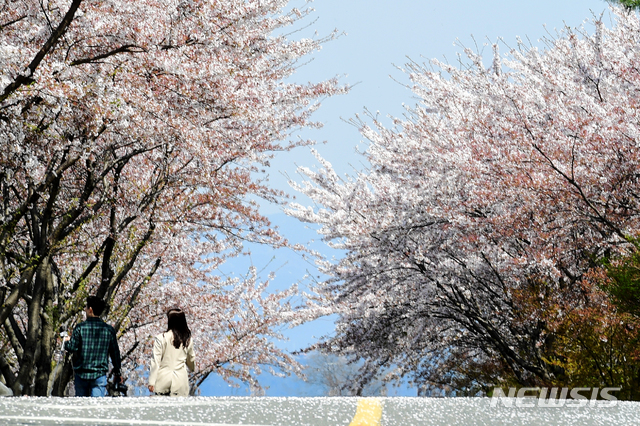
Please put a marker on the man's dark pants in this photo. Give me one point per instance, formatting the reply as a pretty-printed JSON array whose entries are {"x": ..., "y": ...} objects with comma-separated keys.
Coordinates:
[{"x": 96, "y": 387}]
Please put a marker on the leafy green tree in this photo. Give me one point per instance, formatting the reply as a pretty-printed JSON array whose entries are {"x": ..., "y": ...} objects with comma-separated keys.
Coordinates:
[
  {"x": 623, "y": 285},
  {"x": 596, "y": 345},
  {"x": 629, "y": 4}
]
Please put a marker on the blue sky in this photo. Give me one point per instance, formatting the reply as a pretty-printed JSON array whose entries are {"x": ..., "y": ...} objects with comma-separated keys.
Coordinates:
[{"x": 381, "y": 35}]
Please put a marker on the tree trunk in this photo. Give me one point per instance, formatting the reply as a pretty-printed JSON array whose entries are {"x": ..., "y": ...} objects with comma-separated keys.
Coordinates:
[
  {"x": 47, "y": 336},
  {"x": 62, "y": 376}
]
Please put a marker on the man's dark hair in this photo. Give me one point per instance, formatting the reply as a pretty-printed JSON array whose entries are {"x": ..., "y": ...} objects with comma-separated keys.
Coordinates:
[{"x": 96, "y": 304}]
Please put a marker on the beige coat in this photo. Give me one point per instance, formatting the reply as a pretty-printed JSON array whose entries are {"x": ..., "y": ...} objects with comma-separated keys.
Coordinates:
[{"x": 168, "y": 366}]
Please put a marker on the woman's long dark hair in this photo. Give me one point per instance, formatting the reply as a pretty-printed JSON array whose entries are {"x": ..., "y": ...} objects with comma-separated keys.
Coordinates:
[{"x": 178, "y": 324}]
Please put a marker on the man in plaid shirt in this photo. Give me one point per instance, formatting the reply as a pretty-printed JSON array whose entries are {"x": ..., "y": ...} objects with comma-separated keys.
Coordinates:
[{"x": 92, "y": 343}]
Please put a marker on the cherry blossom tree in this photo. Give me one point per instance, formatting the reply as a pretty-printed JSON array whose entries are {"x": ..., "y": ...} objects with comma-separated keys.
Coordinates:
[
  {"x": 131, "y": 136},
  {"x": 473, "y": 235}
]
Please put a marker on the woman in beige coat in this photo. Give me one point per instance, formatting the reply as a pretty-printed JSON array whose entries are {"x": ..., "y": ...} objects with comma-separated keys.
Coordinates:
[{"x": 172, "y": 354}]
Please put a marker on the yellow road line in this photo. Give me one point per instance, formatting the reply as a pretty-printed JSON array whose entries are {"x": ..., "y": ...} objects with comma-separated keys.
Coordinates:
[{"x": 368, "y": 413}]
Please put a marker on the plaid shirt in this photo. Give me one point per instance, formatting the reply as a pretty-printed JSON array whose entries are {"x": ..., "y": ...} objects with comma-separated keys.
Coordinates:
[{"x": 91, "y": 343}]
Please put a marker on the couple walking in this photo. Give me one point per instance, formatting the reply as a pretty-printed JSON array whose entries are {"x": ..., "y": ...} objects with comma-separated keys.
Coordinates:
[{"x": 93, "y": 342}]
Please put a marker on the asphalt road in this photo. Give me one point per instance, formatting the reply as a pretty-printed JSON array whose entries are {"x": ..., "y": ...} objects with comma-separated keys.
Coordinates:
[{"x": 208, "y": 411}]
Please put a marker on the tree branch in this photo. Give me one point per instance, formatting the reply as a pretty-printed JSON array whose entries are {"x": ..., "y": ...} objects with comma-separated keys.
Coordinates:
[{"x": 49, "y": 44}]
